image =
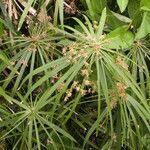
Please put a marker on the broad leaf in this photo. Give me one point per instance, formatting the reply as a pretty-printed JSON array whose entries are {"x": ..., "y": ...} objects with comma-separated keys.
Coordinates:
[
  {"x": 120, "y": 38},
  {"x": 144, "y": 29},
  {"x": 145, "y": 5}
]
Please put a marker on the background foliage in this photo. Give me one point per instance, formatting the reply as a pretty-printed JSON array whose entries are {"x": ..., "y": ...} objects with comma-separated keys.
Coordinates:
[{"x": 74, "y": 74}]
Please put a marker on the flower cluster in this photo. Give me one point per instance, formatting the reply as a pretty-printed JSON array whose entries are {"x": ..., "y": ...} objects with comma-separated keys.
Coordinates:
[
  {"x": 85, "y": 71},
  {"x": 32, "y": 48},
  {"x": 113, "y": 102},
  {"x": 60, "y": 86},
  {"x": 76, "y": 86},
  {"x": 24, "y": 63},
  {"x": 74, "y": 52},
  {"x": 121, "y": 88},
  {"x": 120, "y": 61},
  {"x": 116, "y": 93},
  {"x": 95, "y": 24}
]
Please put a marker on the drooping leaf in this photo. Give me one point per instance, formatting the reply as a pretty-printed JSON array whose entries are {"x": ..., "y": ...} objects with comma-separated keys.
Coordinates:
[
  {"x": 121, "y": 17},
  {"x": 112, "y": 21}
]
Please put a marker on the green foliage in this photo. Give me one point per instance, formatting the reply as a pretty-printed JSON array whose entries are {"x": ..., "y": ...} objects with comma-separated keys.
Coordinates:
[
  {"x": 24, "y": 14},
  {"x": 144, "y": 27},
  {"x": 1, "y": 28},
  {"x": 75, "y": 75},
  {"x": 121, "y": 38},
  {"x": 122, "y": 4}
]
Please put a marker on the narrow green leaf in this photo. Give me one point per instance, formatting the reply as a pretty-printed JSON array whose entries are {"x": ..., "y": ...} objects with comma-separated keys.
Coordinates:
[
  {"x": 56, "y": 128},
  {"x": 88, "y": 2},
  {"x": 101, "y": 23},
  {"x": 24, "y": 14},
  {"x": 37, "y": 135},
  {"x": 122, "y": 4}
]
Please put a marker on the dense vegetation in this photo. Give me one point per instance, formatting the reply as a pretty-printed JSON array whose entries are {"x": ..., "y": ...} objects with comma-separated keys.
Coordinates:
[{"x": 74, "y": 74}]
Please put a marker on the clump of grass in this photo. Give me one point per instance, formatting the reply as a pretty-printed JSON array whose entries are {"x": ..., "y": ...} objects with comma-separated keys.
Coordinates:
[{"x": 81, "y": 87}]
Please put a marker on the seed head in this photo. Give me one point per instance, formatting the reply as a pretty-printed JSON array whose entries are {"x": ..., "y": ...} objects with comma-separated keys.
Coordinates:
[
  {"x": 120, "y": 61},
  {"x": 85, "y": 72},
  {"x": 121, "y": 87},
  {"x": 87, "y": 82}
]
